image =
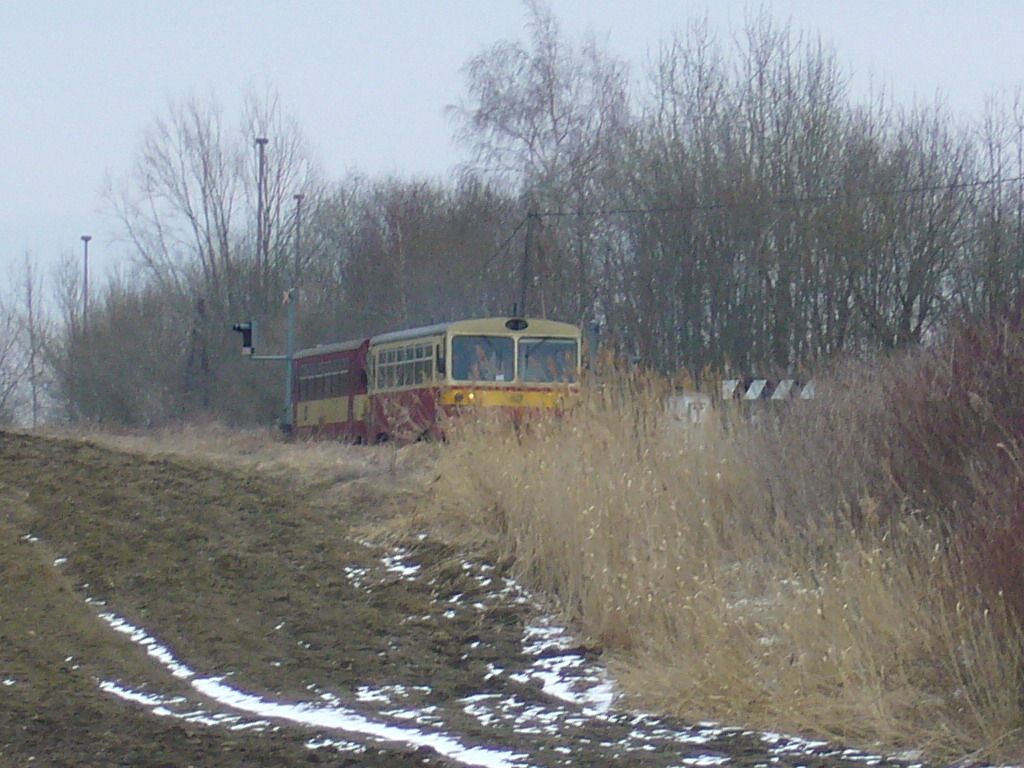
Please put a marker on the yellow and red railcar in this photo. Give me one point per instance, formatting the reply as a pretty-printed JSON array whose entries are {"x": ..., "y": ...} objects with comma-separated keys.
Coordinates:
[
  {"x": 329, "y": 391},
  {"x": 401, "y": 385}
]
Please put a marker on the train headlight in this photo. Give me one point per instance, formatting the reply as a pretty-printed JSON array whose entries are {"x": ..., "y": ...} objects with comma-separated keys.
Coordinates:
[{"x": 471, "y": 396}]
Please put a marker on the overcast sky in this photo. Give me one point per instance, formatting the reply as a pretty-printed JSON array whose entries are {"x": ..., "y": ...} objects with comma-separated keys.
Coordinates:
[{"x": 369, "y": 81}]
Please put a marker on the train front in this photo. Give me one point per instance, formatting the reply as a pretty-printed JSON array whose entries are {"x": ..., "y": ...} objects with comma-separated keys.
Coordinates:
[{"x": 513, "y": 365}]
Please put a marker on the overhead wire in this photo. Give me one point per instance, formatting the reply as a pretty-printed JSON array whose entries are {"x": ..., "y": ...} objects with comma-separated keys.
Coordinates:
[
  {"x": 505, "y": 243},
  {"x": 784, "y": 201}
]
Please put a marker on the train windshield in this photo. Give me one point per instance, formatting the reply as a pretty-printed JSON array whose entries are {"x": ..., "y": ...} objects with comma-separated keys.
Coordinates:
[
  {"x": 547, "y": 359},
  {"x": 483, "y": 358}
]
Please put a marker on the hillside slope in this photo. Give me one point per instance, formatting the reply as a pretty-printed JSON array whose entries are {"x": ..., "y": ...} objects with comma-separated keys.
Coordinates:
[
  {"x": 173, "y": 606},
  {"x": 233, "y": 572}
]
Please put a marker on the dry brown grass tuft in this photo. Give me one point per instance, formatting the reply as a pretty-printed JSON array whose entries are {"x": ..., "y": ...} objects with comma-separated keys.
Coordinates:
[{"x": 669, "y": 548}]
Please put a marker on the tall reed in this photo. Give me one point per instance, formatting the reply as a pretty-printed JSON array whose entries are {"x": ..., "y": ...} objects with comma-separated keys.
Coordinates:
[{"x": 671, "y": 547}]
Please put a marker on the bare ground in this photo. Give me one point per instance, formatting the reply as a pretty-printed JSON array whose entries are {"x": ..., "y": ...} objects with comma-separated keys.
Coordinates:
[{"x": 270, "y": 583}]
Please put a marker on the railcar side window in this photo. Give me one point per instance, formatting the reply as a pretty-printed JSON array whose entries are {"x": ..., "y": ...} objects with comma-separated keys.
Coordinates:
[
  {"x": 408, "y": 366},
  {"x": 547, "y": 359},
  {"x": 323, "y": 379},
  {"x": 483, "y": 358}
]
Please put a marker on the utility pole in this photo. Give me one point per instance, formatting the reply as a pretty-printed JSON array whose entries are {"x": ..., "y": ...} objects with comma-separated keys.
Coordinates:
[
  {"x": 261, "y": 245},
  {"x": 298, "y": 238},
  {"x": 292, "y": 297},
  {"x": 85, "y": 283},
  {"x": 531, "y": 219}
]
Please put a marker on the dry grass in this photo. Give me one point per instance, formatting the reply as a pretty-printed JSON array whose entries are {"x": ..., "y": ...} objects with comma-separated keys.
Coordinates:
[
  {"x": 265, "y": 450},
  {"x": 670, "y": 548},
  {"x": 388, "y": 482}
]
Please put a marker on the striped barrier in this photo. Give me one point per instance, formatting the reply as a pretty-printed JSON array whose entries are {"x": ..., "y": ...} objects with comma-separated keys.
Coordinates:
[{"x": 767, "y": 389}]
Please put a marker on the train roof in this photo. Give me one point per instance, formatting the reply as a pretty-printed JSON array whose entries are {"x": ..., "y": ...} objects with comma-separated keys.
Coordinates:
[
  {"x": 526, "y": 326},
  {"x": 326, "y": 349}
]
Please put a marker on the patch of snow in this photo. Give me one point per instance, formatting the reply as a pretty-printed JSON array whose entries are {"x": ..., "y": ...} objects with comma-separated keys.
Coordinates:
[
  {"x": 147, "y": 700},
  {"x": 171, "y": 707},
  {"x": 304, "y": 713},
  {"x": 425, "y": 716},
  {"x": 154, "y": 649},
  {"x": 356, "y": 575},
  {"x": 366, "y": 693},
  {"x": 397, "y": 562},
  {"x": 563, "y": 672},
  {"x": 388, "y": 694},
  {"x": 704, "y": 760},
  {"x": 338, "y": 718},
  {"x": 342, "y": 746}
]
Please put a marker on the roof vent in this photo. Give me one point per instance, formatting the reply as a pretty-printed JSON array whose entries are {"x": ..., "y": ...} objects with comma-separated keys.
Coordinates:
[{"x": 516, "y": 324}]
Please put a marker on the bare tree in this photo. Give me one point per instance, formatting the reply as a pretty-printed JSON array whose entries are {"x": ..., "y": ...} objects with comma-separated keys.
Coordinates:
[
  {"x": 549, "y": 118},
  {"x": 34, "y": 327},
  {"x": 188, "y": 210},
  {"x": 915, "y": 230},
  {"x": 66, "y": 354},
  {"x": 178, "y": 206},
  {"x": 394, "y": 253},
  {"x": 991, "y": 270},
  {"x": 12, "y": 362}
]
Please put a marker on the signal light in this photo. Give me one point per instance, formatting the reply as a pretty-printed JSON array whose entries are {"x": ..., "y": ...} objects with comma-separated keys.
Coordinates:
[{"x": 246, "y": 330}]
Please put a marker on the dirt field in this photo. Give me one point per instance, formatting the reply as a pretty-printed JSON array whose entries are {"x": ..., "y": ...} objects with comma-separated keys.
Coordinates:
[{"x": 259, "y": 626}]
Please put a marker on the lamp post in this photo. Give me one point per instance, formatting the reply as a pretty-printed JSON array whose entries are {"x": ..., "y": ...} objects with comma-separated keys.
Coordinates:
[{"x": 85, "y": 282}]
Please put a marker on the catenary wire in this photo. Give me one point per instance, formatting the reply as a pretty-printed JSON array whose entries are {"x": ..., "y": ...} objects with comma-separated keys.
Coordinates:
[{"x": 782, "y": 201}]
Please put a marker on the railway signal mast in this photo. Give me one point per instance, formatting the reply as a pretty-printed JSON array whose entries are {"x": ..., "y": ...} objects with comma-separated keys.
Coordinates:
[{"x": 291, "y": 297}]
